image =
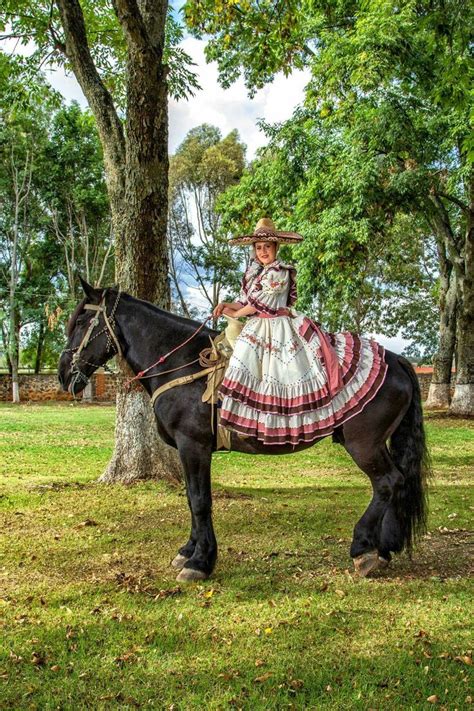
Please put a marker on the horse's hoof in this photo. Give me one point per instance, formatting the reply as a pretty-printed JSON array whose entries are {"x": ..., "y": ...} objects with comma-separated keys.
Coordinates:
[
  {"x": 179, "y": 562},
  {"x": 383, "y": 562},
  {"x": 366, "y": 563},
  {"x": 189, "y": 575}
]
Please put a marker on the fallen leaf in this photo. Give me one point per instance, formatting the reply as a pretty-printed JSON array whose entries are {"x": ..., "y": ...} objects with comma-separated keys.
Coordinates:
[
  {"x": 465, "y": 658},
  {"x": 38, "y": 659},
  {"x": 264, "y": 677},
  {"x": 432, "y": 699},
  {"x": 171, "y": 592},
  {"x": 341, "y": 593},
  {"x": 259, "y": 663},
  {"x": 55, "y": 668},
  {"x": 87, "y": 522}
]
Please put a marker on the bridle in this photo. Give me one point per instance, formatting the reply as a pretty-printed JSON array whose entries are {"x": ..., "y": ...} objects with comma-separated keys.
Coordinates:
[{"x": 112, "y": 343}]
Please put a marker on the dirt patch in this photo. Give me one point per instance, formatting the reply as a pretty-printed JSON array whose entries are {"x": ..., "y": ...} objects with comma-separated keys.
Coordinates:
[
  {"x": 223, "y": 494},
  {"x": 444, "y": 553}
]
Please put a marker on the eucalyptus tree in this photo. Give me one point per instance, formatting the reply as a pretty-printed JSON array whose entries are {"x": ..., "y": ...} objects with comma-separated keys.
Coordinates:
[
  {"x": 125, "y": 58},
  {"x": 396, "y": 75},
  {"x": 25, "y": 110},
  {"x": 203, "y": 167}
]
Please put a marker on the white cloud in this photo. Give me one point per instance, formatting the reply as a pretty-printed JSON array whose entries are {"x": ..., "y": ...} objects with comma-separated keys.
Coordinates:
[
  {"x": 395, "y": 344},
  {"x": 225, "y": 108},
  {"x": 232, "y": 108},
  {"x": 195, "y": 298}
]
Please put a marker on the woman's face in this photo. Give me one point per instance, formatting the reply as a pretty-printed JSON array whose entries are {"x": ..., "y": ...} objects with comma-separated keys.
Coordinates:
[{"x": 265, "y": 252}]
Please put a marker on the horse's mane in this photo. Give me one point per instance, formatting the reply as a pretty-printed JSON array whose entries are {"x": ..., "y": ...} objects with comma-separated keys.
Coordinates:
[{"x": 73, "y": 318}]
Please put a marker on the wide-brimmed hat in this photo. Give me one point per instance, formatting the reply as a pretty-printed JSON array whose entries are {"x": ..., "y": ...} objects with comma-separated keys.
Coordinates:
[{"x": 265, "y": 231}]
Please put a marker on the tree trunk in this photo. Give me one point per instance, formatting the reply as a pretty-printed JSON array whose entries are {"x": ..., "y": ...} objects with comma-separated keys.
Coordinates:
[
  {"x": 39, "y": 348},
  {"x": 439, "y": 394},
  {"x": 14, "y": 354},
  {"x": 138, "y": 453},
  {"x": 136, "y": 167},
  {"x": 463, "y": 398},
  {"x": 141, "y": 244}
]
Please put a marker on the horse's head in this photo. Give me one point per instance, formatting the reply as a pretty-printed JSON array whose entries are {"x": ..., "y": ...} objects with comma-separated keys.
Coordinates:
[{"x": 92, "y": 337}]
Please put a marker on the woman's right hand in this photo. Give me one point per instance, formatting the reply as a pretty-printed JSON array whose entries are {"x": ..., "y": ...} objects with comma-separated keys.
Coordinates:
[{"x": 219, "y": 309}]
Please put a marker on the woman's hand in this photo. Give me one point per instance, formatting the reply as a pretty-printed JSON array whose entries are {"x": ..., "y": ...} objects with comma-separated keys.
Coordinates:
[
  {"x": 228, "y": 310},
  {"x": 219, "y": 309}
]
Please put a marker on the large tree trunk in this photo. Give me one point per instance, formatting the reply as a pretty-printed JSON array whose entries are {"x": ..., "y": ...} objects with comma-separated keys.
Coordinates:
[
  {"x": 439, "y": 394},
  {"x": 136, "y": 166},
  {"x": 141, "y": 244}
]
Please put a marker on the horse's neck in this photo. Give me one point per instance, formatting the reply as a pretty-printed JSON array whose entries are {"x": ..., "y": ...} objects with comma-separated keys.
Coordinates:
[{"x": 149, "y": 333}]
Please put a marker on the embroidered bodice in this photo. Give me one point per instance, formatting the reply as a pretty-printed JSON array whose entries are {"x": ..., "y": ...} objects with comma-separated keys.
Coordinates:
[{"x": 268, "y": 288}]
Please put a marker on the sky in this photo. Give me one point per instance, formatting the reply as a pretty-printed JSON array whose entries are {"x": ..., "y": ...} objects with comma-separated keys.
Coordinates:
[{"x": 228, "y": 109}]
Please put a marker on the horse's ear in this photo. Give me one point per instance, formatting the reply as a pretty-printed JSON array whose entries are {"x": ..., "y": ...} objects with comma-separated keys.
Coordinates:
[{"x": 89, "y": 291}]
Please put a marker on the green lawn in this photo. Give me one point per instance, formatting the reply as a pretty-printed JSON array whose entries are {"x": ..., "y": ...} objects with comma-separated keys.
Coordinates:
[{"x": 91, "y": 616}]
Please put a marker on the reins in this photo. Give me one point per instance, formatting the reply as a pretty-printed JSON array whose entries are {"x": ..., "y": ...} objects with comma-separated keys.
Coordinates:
[
  {"x": 205, "y": 359},
  {"x": 142, "y": 374}
]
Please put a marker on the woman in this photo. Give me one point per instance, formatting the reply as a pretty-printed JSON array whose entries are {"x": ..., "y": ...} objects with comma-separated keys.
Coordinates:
[{"x": 288, "y": 381}]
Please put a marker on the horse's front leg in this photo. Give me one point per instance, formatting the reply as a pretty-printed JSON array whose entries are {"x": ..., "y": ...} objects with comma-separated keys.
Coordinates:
[
  {"x": 202, "y": 544},
  {"x": 186, "y": 551}
]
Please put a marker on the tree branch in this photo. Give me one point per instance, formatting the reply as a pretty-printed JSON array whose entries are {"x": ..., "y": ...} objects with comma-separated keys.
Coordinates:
[
  {"x": 129, "y": 16},
  {"x": 99, "y": 98},
  {"x": 465, "y": 208}
]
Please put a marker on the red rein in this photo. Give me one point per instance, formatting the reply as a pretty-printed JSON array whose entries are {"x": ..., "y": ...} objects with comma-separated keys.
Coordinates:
[{"x": 165, "y": 357}]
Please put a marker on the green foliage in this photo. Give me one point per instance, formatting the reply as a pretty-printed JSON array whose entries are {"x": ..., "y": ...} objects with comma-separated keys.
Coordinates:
[
  {"x": 92, "y": 615},
  {"x": 40, "y": 23},
  {"x": 64, "y": 223},
  {"x": 383, "y": 140}
]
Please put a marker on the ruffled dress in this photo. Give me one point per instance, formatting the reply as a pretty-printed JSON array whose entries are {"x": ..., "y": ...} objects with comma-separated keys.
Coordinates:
[{"x": 288, "y": 381}]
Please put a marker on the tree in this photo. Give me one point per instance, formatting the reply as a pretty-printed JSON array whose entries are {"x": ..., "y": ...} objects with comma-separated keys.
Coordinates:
[
  {"x": 204, "y": 166},
  {"x": 356, "y": 268},
  {"x": 122, "y": 60},
  {"x": 396, "y": 76},
  {"x": 24, "y": 117},
  {"x": 76, "y": 200}
]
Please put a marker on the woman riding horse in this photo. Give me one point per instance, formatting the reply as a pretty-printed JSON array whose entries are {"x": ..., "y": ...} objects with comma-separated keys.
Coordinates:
[
  {"x": 379, "y": 421},
  {"x": 288, "y": 381}
]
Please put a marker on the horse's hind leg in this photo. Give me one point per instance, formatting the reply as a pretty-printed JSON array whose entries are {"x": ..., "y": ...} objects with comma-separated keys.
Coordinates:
[
  {"x": 197, "y": 466},
  {"x": 372, "y": 542}
]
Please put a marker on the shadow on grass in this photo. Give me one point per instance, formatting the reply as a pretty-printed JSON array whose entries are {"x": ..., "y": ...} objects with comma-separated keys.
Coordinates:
[{"x": 325, "y": 657}]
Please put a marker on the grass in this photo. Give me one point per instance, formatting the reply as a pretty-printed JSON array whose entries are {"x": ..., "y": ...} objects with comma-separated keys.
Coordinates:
[{"x": 91, "y": 615}]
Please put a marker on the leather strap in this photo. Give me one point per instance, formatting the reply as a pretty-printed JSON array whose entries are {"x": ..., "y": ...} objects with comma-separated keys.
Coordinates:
[{"x": 184, "y": 380}]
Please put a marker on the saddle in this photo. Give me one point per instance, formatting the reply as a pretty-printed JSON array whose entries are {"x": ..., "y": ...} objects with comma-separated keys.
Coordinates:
[{"x": 214, "y": 361}]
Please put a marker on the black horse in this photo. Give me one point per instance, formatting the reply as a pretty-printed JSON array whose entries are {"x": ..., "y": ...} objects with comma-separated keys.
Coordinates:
[{"x": 386, "y": 440}]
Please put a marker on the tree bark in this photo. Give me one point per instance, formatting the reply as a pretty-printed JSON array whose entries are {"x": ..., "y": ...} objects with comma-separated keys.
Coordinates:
[
  {"x": 459, "y": 249},
  {"x": 439, "y": 394},
  {"x": 463, "y": 398},
  {"x": 136, "y": 166}
]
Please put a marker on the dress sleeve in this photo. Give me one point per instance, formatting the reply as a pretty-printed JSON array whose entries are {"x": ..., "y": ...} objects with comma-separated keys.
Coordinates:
[{"x": 271, "y": 293}]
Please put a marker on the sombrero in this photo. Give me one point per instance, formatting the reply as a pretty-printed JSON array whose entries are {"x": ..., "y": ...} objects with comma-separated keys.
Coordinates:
[{"x": 265, "y": 231}]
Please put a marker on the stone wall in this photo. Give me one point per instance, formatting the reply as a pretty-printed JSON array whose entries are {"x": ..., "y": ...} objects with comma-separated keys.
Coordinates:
[{"x": 45, "y": 386}]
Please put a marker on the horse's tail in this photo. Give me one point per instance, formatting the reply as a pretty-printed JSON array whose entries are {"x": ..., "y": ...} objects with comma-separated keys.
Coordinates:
[{"x": 410, "y": 455}]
